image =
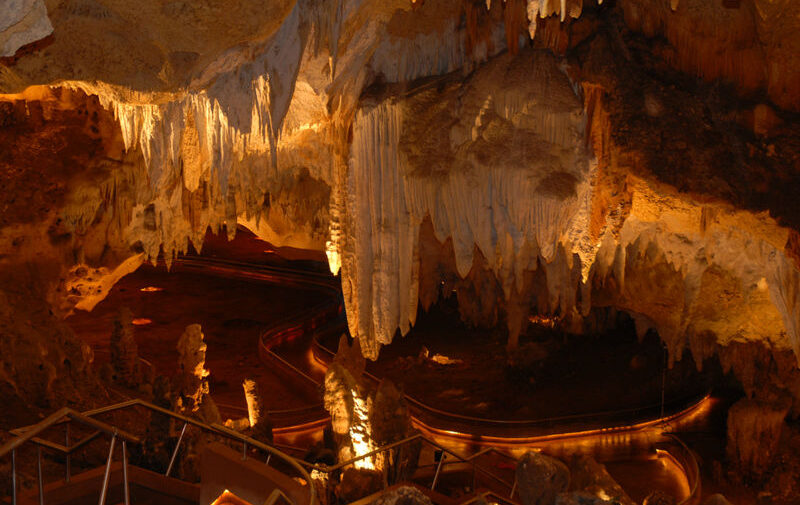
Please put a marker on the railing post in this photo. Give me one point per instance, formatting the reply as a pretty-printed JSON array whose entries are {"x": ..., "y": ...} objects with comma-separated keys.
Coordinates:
[
  {"x": 13, "y": 477},
  {"x": 269, "y": 457},
  {"x": 438, "y": 469},
  {"x": 513, "y": 488},
  {"x": 68, "y": 461},
  {"x": 244, "y": 451},
  {"x": 104, "y": 489},
  {"x": 474, "y": 477},
  {"x": 175, "y": 451},
  {"x": 125, "y": 489},
  {"x": 39, "y": 468}
]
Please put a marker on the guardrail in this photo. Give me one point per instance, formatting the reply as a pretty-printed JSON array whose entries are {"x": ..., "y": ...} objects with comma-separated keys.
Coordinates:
[
  {"x": 30, "y": 434},
  {"x": 686, "y": 460}
]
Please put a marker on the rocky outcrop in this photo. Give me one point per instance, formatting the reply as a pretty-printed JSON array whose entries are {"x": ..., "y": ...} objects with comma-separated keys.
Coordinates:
[
  {"x": 391, "y": 422},
  {"x": 44, "y": 365}
]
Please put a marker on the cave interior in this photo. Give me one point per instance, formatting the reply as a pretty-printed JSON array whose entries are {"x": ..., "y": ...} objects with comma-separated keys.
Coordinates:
[{"x": 417, "y": 252}]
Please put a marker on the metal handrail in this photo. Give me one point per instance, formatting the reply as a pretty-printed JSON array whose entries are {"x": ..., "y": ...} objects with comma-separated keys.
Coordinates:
[
  {"x": 29, "y": 433},
  {"x": 694, "y": 468},
  {"x": 215, "y": 428}
]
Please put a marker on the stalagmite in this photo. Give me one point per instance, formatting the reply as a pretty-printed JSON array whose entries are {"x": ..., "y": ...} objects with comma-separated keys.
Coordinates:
[
  {"x": 124, "y": 351},
  {"x": 255, "y": 407},
  {"x": 194, "y": 394}
]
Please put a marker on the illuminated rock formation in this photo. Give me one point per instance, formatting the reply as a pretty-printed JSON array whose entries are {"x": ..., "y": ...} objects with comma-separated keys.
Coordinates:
[
  {"x": 589, "y": 476},
  {"x": 347, "y": 400},
  {"x": 193, "y": 391},
  {"x": 255, "y": 408}
]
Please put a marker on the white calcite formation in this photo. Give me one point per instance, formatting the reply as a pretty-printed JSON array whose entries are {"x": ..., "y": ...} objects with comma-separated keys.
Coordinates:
[
  {"x": 497, "y": 163},
  {"x": 22, "y": 22},
  {"x": 562, "y": 8}
]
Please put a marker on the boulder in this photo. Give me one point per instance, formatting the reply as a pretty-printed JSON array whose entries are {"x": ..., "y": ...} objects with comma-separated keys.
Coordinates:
[
  {"x": 357, "y": 483},
  {"x": 592, "y": 477},
  {"x": 541, "y": 478}
]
